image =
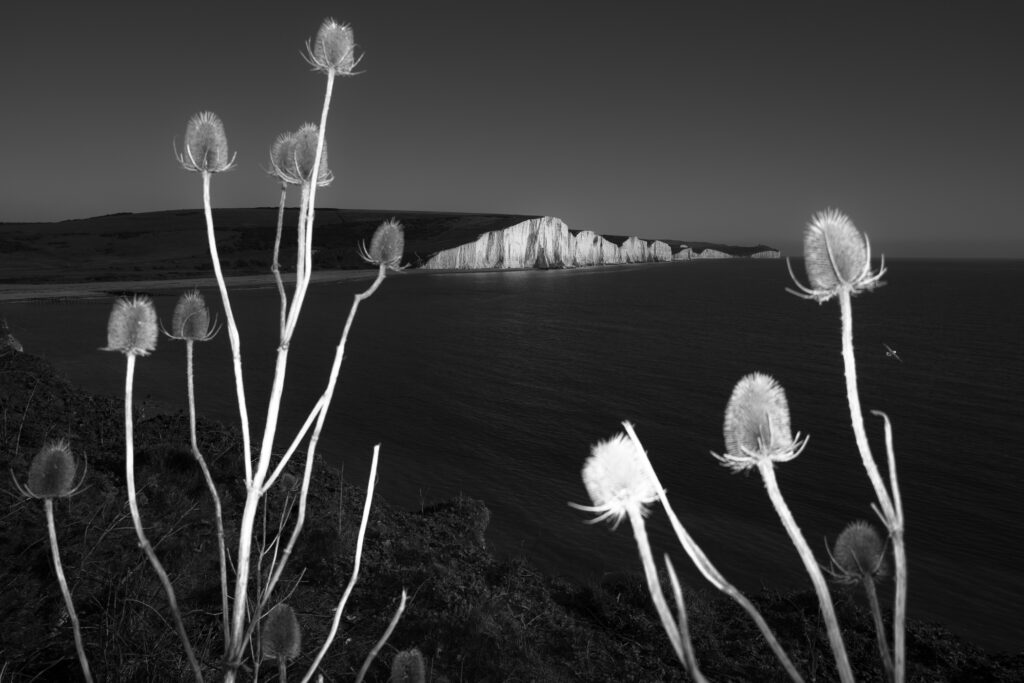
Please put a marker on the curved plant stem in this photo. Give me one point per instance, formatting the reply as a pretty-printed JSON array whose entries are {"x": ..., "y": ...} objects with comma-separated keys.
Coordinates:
[
  {"x": 892, "y": 516},
  {"x": 137, "y": 519},
  {"x": 683, "y": 648},
  {"x": 767, "y": 469},
  {"x": 900, "y": 553},
  {"x": 355, "y": 568},
  {"x": 48, "y": 504},
  {"x": 383, "y": 639},
  {"x": 710, "y": 572},
  {"x": 236, "y": 343},
  {"x": 218, "y": 516},
  {"x": 883, "y": 646},
  {"x": 275, "y": 266},
  {"x": 311, "y": 450}
]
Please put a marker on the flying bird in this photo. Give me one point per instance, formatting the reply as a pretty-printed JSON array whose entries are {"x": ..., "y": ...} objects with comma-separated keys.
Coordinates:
[{"x": 891, "y": 353}]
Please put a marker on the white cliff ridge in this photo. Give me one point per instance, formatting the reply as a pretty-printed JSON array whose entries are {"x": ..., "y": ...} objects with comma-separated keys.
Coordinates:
[{"x": 547, "y": 243}]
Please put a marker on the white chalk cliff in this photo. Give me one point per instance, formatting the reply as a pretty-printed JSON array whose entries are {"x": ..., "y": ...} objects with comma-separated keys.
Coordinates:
[{"x": 547, "y": 243}]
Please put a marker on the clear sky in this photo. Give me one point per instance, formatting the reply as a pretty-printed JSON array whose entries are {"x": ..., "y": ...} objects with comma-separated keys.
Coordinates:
[{"x": 717, "y": 121}]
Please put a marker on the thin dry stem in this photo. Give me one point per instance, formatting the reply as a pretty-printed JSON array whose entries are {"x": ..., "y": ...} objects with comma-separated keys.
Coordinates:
[
  {"x": 58, "y": 567},
  {"x": 133, "y": 504}
]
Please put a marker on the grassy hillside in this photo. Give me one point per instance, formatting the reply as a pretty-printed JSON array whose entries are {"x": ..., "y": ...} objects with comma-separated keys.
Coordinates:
[{"x": 172, "y": 244}]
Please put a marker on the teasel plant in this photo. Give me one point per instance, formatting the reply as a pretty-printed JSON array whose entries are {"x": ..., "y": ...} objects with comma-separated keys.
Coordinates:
[
  {"x": 613, "y": 477},
  {"x": 837, "y": 258},
  {"x": 296, "y": 158},
  {"x": 191, "y": 323},
  {"x": 52, "y": 475},
  {"x": 132, "y": 330},
  {"x": 858, "y": 558},
  {"x": 758, "y": 435}
]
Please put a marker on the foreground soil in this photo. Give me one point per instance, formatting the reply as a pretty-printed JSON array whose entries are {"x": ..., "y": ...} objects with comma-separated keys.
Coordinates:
[{"x": 474, "y": 617}]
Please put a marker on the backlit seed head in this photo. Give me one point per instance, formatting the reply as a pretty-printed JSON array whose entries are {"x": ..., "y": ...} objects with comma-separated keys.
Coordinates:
[
  {"x": 206, "y": 145},
  {"x": 191, "y": 320},
  {"x": 407, "y": 667},
  {"x": 280, "y": 158},
  {"x": 618, "y": 479},
  {"x": 757, "y": 424},
  {"x": 132, "y": 328},
  {"x": 837, "y": 257},
  {"x": 859, "y": 554},
  {"x": 52, "y": 472},
  {"x": 299, "y": 167},
  {"x": 281, "y": 637},
  {"x": 333, "y": 49},
  {"x": 386, "y": 246}
]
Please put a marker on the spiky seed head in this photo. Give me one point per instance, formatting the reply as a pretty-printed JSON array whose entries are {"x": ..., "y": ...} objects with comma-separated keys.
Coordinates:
[
  {"x": 859, "y": 554},
  {"x": 132, "y": 327},
  {"x": 407, "y": 667},
  {"x": 303, "y": 156},
  {"x": 191, "y": 320},
  {"x": 281, "y": 636},
  {"x": 52, "y": 472},
  {"x": 281, "y": 157},
  {"x": 617, "y": 477},
  {"x": 756, "y": 424},
  {"x": 287, "y": 482},
  {"x": 206, "y": 144},
  {"x": 834, "y": 250},
  {"x": 386, "y": 246},
  {"x": 334, "y": 49}
]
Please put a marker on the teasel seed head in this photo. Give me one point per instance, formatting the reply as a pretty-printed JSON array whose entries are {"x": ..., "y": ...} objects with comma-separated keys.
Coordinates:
[
  {"x": 299, "y": 166},
  {"x": 333, "y": 49},
  {"x": 407, "y": 667},
  {"x": 837, "y": 257},
  {"x": 281, "y": 638},
  {"x": 757, "y": 425},
  {"x": 287, "y": 482},
  {"x": 206, "y": 145},
  {"x": 386, "y": 246},
  {"x": 280, "y": 158},
  {"x": 859, "y": 555},
  {"x": 618, "y": 479},
  {"x": 191, "y": 319},
  {"x": 52, "y": 472},
  {"x": 132, "y": 327}
]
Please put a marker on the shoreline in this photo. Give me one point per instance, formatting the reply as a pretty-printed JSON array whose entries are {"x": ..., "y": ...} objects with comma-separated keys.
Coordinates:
[{"x": 73, "y": 291}]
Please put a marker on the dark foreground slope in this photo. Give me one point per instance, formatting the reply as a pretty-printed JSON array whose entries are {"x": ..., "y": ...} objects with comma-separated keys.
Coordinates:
[{"x": 475, "y": 617}]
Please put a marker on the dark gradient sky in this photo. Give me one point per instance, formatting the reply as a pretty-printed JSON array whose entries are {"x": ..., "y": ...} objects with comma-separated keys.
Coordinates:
[{"x": 722, "y": 121}]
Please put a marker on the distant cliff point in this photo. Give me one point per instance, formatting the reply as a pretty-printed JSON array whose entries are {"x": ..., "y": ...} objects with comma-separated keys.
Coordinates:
[{"x": 172, "y": 244}]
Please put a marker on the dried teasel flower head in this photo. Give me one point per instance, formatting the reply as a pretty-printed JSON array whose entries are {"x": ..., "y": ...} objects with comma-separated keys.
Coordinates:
[
  {"x": 386, "y": 246},
  {"x": 619, "y": 480},
  {"x": 52, "y": 472},
  {"x": 132, "y": 326},
  {"x": 333, "y": 49},
  {"x": 757, "y": 425},
  {"x": 859, "y": 555},
  {"x": 287, "y": 482},
  {"x": 837, "y": 257},
  {"x": 298, "y": 165},
  {"x": 280, "y": 158},
  {"x": 281, "y": 637},
  {"x": 206, "y": 145},
  {"x": 407, "y": 667},
  {"x": 191, "y": 319}
]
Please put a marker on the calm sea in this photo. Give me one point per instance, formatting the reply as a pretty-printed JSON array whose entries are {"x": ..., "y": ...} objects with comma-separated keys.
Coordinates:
[{"x": 495, "y": 385}]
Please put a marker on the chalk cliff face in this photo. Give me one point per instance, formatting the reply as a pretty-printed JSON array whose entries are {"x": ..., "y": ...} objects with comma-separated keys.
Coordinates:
[{"x": 547, "y": 243}]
